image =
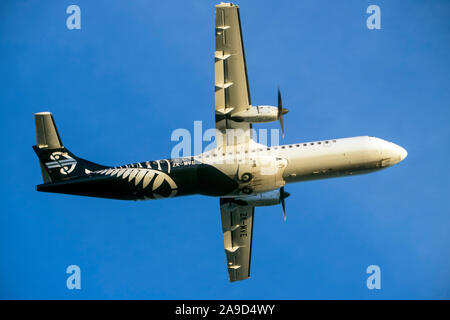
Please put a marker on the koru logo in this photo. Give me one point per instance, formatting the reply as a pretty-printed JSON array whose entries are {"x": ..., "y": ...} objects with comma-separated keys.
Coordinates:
[{"x": 62, "y": 160}]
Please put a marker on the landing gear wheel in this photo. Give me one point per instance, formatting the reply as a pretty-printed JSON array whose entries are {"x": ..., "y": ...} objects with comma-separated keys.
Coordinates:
[
  {"x": 247, "y": 190},
  {"x": 246, "y": 177}
]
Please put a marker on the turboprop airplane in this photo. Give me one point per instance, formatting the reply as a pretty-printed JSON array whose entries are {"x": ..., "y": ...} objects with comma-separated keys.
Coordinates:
[{"x": 244, "y": 174}]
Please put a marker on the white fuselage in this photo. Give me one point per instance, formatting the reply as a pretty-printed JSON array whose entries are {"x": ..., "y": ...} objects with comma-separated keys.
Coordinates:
[
  {"x": 337, "y": 157},
  {"x": 272, "y": 167}
]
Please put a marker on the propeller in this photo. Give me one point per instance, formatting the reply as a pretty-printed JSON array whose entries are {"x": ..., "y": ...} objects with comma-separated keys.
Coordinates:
[
  {"x": 281, "y": 111},
  {"x": 283, "y": 195}
]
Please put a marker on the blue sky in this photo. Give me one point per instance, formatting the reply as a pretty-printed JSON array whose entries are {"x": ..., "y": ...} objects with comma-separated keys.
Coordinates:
[{"x": 137, "y": 70}]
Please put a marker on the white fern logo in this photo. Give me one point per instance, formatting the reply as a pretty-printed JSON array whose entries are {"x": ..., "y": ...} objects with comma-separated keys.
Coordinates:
[
  {"x": 150, "y": 178},
  {"x": 62, "y": 160}
]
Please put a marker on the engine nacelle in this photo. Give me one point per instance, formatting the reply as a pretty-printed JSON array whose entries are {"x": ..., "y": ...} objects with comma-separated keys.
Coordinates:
[
  {"x": 268, "y": 198},
  {"x": 258, "y": 114}
]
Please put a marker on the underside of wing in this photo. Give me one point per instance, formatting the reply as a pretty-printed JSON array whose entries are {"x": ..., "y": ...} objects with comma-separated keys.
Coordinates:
[
  {"x": 237, "y": 228},
  {"x": 232, "y": 93}
]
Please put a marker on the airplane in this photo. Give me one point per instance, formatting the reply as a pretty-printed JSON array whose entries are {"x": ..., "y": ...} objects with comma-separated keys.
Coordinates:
[{"x": 243, "y": 173}]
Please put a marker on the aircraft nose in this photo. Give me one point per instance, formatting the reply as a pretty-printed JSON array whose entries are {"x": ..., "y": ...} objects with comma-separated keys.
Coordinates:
[
  {"x": 395, "y": 153},
  {"x": 403, "y": 153}
]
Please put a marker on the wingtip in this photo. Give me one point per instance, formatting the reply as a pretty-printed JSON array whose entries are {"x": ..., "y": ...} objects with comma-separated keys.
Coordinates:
[{"x": 227, "y": 4}]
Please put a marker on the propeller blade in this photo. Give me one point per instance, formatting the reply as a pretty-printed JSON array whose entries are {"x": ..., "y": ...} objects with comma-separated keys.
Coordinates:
[
  {"x": 280, "y": 104},
  {"x": 281, "y": 111},
  {"x": 283, "y": 195},
  {"x": 284, "y": 209}
]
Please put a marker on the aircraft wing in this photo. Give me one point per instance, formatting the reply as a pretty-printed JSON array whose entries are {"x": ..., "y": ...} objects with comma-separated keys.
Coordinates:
[
  {"x": 237, "y": 228},
  {"x": 232, "y": 93}
]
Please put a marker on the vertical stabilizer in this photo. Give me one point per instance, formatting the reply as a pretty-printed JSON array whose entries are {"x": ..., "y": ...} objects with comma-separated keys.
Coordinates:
[
  {"x": 57, "y": 162},
  {"x": 47, "y": 135}
]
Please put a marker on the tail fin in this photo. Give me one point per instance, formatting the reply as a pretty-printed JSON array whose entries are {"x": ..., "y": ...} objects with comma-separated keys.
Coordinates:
[{"x": 57, "y": 163}]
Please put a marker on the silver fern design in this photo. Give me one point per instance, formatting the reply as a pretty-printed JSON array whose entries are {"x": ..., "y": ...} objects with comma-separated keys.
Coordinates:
[{"x": 150, "y": 178}]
